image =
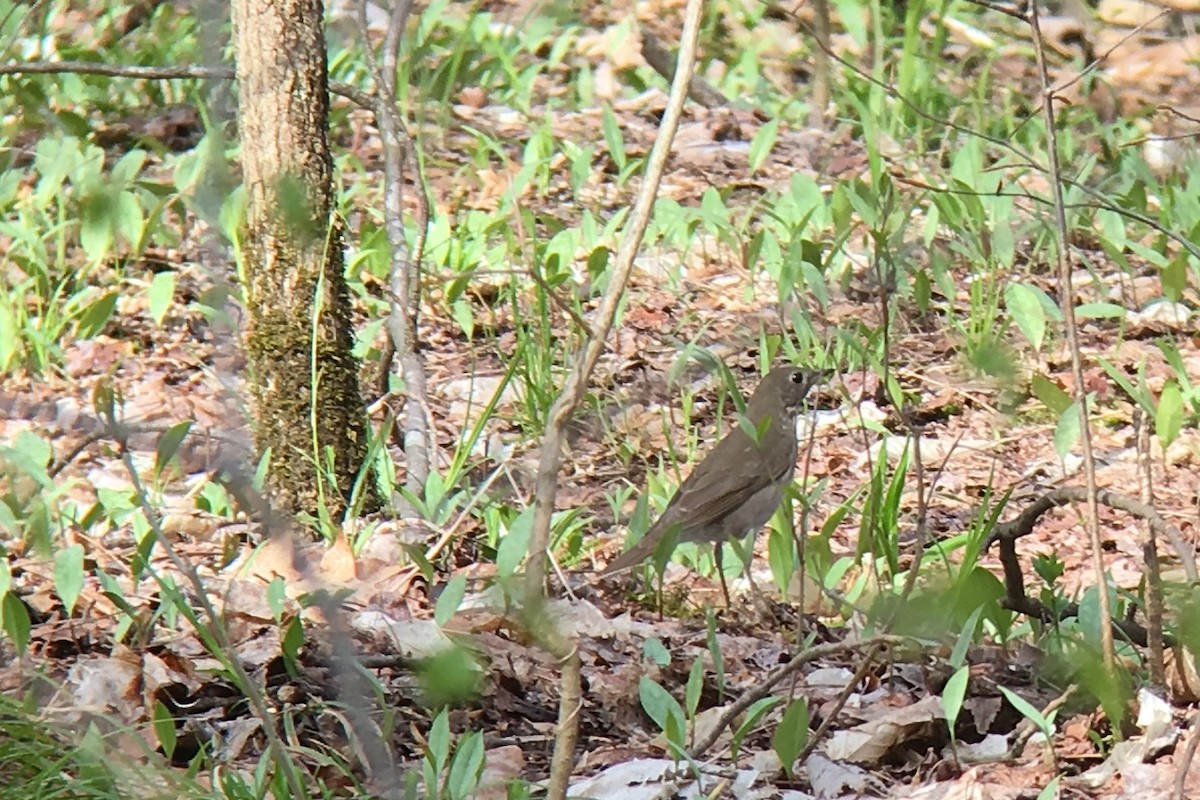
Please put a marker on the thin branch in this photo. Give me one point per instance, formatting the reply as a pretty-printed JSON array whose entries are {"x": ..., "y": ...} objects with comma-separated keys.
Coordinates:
[
  {"x": 1071, "y": 329},
  {"x": 576, "y": 383},
  {"x": 404, "y": 275},
  {"x": 749, "y": 698},
  {"x": 355, "y": 95},
  {"x": 568, "y": 400}
]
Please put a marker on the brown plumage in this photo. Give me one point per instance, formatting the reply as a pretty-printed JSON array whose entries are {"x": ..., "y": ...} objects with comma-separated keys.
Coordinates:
[{"x": 738, "y": 486}]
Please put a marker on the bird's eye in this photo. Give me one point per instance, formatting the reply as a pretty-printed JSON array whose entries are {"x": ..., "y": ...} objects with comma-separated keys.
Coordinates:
[{"x": 797, "y": 377}]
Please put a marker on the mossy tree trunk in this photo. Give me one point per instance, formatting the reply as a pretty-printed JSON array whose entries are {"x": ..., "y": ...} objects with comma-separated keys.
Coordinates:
[{"x": 304, "y": 378}]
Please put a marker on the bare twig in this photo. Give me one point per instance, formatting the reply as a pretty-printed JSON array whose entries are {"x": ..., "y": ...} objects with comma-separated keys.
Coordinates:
[
  {"x": 1067, "y": 297},
  {"x": 1154, "y": 588},
  {"x": 737, "y": 708},
  {"x": 568, "y": 400},
  {"x": 1185, "y": 762},
  {"x": 576, "y": 383},
  {"x": 404, "y": 276},
  {"x": 355, "y": 95}
]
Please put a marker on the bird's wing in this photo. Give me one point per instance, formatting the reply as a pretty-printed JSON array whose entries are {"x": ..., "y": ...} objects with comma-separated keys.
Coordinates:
[
  {"x": 710, "y": 494},
  {"x": 713, "y": 493}
]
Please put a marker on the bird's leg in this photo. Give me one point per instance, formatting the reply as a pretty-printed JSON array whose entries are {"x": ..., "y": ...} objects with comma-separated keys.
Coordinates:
[
  {"x": 745, "y": 551},
  {"x": 718, "y": 548}
]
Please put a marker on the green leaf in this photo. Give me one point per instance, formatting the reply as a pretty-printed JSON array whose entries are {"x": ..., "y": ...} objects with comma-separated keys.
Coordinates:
[
  {"x": 612, "y": 137},
  {"x": 8, "y": 336},
  {"x": 954, "y": 694},
  {"x": 159, "y": 295},
  {"x": 753, "y": 714},
  {"x": 128, "y": 218},
  {"x": 450, "y": 599},
  {"x": 68, "y": 576},
  {"x": 695, "y": 685},
  {"x": 1026, "y": 310},
  {"x": 659, "y": 705},
  {"x": 464, "y": 315},
  {"x": 714, "y": 649},
  {"x": 792, "y": 734},
  {"x": 439, "y": 740},
  {"x": 1099, "y": 311},
  {"x": 1066, "y": 433},
  {"x": 128, "y": 167},
  {"x": 94, "y": 316},
  {"x": 277, "y": 597},
  {"x": 164, "y": 728},
  {"x": 466, "y": 767},
  {"x": 14, "y": 619},
  {"x": 655, "y": 651},
  {"x": 293, "y": 639},
  {"x": 781, "y": 555},
  {"x": 168, "y": 445},
  {"x": 1052, "y": 396},
  {"x": 764, "y": 141},
  {"x": 95, "y": 224},
  {"x": 959, "y": 654},
  {"x": 1026, "y": 710},
  {"x": 1174, "y": 277},
  {"x": 1168, "y": 418},
  {"x": 514, "y": 545}
]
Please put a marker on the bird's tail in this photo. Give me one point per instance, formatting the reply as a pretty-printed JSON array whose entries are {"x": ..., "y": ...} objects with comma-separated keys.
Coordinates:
[{"x": 644, "y": 548}]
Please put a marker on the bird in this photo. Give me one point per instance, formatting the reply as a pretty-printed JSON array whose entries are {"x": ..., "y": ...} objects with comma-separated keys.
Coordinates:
[{"x": 736, "y": 488}]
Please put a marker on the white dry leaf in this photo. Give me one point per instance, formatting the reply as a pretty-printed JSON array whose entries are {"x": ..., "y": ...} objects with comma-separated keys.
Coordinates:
[
  {"x": 833, "y": 779},
  {"x": 870, "y": 741},
  {"x": 416, "y": 639}
]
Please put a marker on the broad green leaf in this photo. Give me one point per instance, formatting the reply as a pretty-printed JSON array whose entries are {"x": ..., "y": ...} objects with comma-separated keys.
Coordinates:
[
  {"x": 129, "y": 220},
  {"x": 95, "y": 315},
  {"x": 164, "y": 728},
  {"x": 439, "y": 740},
  {"x": 1099, "y": 311},
  {"x": 128, "y": 167},
  {"x": 68, "y": 575},
  {"x": 276, "y": 596},
  {"x": 695, "y": 685},
  {"x": 753, "y": 714},
  {"x": 954, "y": 694},
  {"x": 450, "y": 599},
  {"x": 764, "y": 141},
  {"x": 655, "y": 651},
  {"x": 792, "y": 734},
  {"x": 514, "y": 545},
  {"x": 159, "y": 295},
  {"x": 1026, "y": 310},
  {"x": 1052, "y": 396},
  {"x": 168, "y": 445},
  {"x": 1066, "y": 433},
  {"x": 1168, "y": 418},
  {"x": 658, "y": 704},
  {"x": 1174, "y": 277},
  {"x": 466, "y": 767},
  {"x": 14, "y": 620},
  {"x": 464, "y": 315}
]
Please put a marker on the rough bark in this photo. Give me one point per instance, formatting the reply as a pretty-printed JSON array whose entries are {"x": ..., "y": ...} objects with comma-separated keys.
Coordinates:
[{"x": 304, "y": 378}]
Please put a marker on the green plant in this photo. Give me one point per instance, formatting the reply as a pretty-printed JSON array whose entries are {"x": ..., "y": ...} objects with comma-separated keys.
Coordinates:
[{"x": 451, "y": 769}]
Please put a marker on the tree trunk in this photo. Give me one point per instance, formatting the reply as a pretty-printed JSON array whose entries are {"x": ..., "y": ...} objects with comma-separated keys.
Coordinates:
[{"x": 306, "y": 394}]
